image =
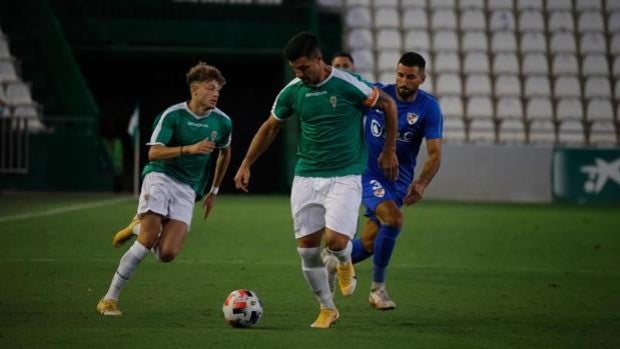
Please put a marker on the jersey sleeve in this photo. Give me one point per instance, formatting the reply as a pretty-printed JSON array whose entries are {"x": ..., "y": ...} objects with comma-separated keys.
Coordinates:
[
  {"x": 282, "y": 108},
  {"x": 224, "y": 142},
  {"x": 434, "y": 126},
  {"x": 162, "y": 130}
]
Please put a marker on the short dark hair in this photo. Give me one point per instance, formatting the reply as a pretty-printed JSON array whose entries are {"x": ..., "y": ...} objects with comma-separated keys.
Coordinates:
[
  {"x": 413, "y": 59},
  {"x": 204, "y": 72},
  {"x": 344, "y": 54},
  {"x": 304, "y": 44}
]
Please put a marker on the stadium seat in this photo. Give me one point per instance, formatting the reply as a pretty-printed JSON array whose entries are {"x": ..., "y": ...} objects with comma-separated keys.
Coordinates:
[
  {"x": 358, "y": 17},
  {"x": 561, "y": 21},
  {"x": 512, "y": 130},
  {"x": 597, "y": 87},
  {"x": 479, "y": 107},
  {"x": 502, "y": 20},
  {"x": 18, "y": 92},
  {"x": 442, "y": 4},
  {"x": 531, "y": 21},
  {"x": 565, "y": 64},
  {"x": 477, "y": 84},
  {"x": 482, "y": 130},
  {"x": 417, "y": 40},
  {"x": 569, "y": 108},
  {"x": 447, "y": 62},
  {"x": 473, "y": 19},
  {"x": 476, "y": 62},
  {"x": 613, "y": 21},
  {"x": 26, "y": 110},
  {"x": 386, "y": 77},
  {"x": 590, "y": 21},
  {"x": 351, "y": 3},
  {"x": 452, "y": 106},
  {"x": 4, "y": 49},
  {"x": 542, "y": 131},
  {"x": 612, "y": 6},
  {"x": 617, "y": 90},
  {"x": 387, "y": 59},
  {"x": 471, "y": 4},
  {"x": 571, "y": 132},
  {"x": 474, "y": 41},
  {"x": 364, "y": 59},
  {"x": 537, "y": 85},
  {"x": 584, "y": 5},
  {"x": 443, "y": 19},
  {"x": 428, "y": 85},
  {"x": 386, "y": 17},
  {"x": 445, "y": 40},
  {"x": 509, "y": 107},
  {"x": 507, "y": 85},
  {"x": 413, "y": 3},
  {"x": 414, "y": 18},
  {"x": 533, "y": 42},
  {"x": 530, "y": 5},
  {"x": 448, "y": 84},
  {"x": 7, "y": 71},
  {"x": 603, "y": 132},
  {"x": 614, "y": 46},
  {"x": 559, "y": 5},
  {"x": 367, "y": 74},
  {"x": 539, "y": 108},
  {"x": 500, "y": 5},
  {"x": 593, "y": 43},
  {"x": 360, "y": 38},
  {"x": 503, "y": 42},
  {"x": 453, "y": 129},
  {"x": 599, "y": 109},
  {"x": 563, "y": 42},
  {"x": 567, "y": 86},
  {"x": 535, "y": 64},
  {"x": 389, "y": 39},
  {"x": 385, "y": 3},
  {"x": 595, "y": 64},
  {"x": 505, "y": 63}
]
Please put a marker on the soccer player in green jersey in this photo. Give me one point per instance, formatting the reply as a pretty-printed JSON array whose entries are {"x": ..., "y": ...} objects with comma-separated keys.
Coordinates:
[
  {"x": 326, "y": 191},
  {"x": 183, "y": 139}
]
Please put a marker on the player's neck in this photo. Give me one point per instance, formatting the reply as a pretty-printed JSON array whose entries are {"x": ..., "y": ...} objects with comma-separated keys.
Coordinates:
[{"x": 197, "y": 107}]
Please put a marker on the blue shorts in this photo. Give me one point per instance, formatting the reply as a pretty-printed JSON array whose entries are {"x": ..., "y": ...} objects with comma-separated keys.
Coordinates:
[{"x": 376, "y": 190}]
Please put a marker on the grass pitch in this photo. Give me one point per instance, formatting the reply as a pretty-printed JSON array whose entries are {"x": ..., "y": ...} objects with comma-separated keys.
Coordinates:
[{"x": 462, "y": 275}]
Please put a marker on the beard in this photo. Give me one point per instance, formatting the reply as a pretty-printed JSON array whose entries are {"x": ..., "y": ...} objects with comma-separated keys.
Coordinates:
[{"x": 404, "y": 93}]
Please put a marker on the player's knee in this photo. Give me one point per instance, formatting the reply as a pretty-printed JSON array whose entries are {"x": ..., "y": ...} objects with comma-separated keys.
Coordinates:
[
  {"x": 394, "y": 219},
  {"x": 166, "y": 256}
]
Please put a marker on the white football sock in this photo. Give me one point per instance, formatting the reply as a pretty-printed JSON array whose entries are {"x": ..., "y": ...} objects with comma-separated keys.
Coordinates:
[
  {"x": 344, "y": 255},
  {"x": 129, "y": 262},
  {"x": 377, "y": 285},
  {"x": 316, "y": 275}
]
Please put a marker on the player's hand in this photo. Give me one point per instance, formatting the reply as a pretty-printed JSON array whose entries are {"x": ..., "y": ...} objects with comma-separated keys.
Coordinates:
[
  {"x": 414, "y": 193},
  {"x": 203, "y": 147},
  {"x": 389, "y": 164},
  {"x": 242, "y": 178},
  {"x": 207, "y": 204}
]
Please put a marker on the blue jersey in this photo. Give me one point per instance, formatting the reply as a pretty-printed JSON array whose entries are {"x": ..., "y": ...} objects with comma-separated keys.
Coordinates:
[{"x": 418, "y": 119}]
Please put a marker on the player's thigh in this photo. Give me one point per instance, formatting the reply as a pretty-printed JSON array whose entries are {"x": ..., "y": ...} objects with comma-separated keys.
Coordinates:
[
  {"x": 154, "y": 194},
  {"x": 182, "y": 198},
  {"x": 342, "y": 205},
  {"x": 172, "y": 238},
  {"x": 306, "y": 207}
]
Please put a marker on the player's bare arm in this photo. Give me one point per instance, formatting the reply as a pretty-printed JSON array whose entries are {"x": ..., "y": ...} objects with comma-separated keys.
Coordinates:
[
  {"x": 431, "y": 166},
  {"x": 221, "y": 165},
  {"x": 387, "y": 159},
  {"x": 161, "y": 152},
  {"x": 261, "y": 141}
]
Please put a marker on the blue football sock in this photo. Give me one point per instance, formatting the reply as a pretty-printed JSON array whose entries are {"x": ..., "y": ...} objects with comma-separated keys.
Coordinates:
[
  {"x": 359, "y": 253},
  {"x": 384, "y": 245}
]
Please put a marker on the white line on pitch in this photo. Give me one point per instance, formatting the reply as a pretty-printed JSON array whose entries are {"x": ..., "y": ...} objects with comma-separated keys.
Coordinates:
[{"x": 65, "y": 209}]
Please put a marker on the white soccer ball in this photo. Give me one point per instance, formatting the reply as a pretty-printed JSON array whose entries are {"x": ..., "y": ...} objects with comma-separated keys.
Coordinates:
[{"x": 242, "y": 308}]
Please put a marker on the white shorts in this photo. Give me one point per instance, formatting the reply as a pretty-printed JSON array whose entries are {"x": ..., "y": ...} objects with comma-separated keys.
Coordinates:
[
  {"x": 168, "y": 197},
  {"x": 326, "y": 202}
]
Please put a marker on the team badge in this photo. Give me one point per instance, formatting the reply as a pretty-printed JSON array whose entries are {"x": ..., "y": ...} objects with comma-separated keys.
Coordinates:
[
  {"x": 213, "y": 135},
  {"x": 333, "y": 101},
  {"x": 412, "y": 118},
  {"x": 379, "y": 192}
]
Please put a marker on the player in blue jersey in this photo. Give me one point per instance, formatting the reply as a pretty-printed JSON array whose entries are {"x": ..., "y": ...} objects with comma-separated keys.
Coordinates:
[{"x": 419, "y": 116}]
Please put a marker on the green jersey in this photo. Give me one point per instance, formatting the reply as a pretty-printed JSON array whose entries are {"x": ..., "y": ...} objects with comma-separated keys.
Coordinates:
[
  {"x": 331, "y": 114},
  {"x": 177, "y": 126}
]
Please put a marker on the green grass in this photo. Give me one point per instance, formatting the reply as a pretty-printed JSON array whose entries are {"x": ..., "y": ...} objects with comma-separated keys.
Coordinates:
[{"x": 463, "y": 275}]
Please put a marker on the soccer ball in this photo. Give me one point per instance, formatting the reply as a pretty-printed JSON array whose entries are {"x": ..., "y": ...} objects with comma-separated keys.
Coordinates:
[{"x": 242, "y": 308}]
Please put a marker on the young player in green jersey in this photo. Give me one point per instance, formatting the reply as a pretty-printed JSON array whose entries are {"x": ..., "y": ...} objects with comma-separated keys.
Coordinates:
[
  {"x": 326, "y": 191},
  {"x": 183, "y": 139}
]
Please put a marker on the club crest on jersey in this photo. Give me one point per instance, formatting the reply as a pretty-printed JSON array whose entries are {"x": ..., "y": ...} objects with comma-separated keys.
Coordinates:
[
  {"x": 412, "y": 118},
  {"x": 377, "y": 188},
  {"x": 213, "y": 135},
  {"x": 333, "y": 101}
]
